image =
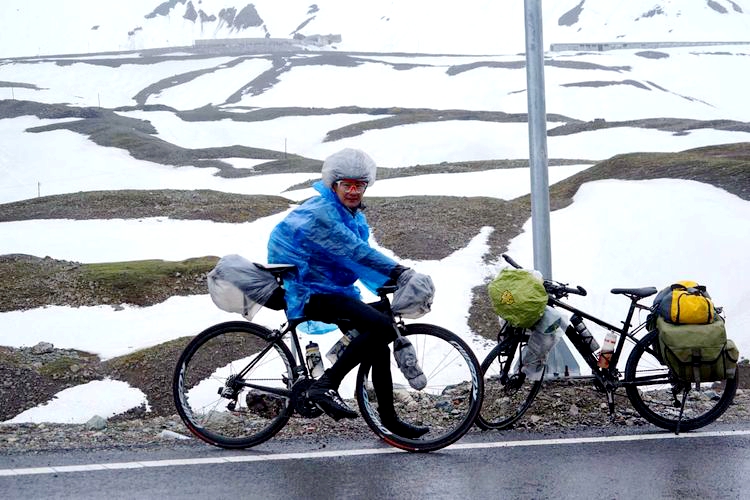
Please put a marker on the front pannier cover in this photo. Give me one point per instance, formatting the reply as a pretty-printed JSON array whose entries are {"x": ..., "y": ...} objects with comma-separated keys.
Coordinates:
[
  {"x": 415, "y": 294},
  {"x": 518, "y": 297},
  {"x": 239, "y": 286}
]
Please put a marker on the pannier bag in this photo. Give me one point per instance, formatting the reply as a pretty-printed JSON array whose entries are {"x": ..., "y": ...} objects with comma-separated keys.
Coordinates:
[
  {"x": 685, "y": 303},
  {"x": 240, "y": 286},
  {"x": 698, "y": 353},
  {"x": 518, "y": 297}
]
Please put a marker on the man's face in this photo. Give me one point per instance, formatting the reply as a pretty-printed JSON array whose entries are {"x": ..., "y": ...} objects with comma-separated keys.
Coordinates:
[{"x": 350, "y": 191}]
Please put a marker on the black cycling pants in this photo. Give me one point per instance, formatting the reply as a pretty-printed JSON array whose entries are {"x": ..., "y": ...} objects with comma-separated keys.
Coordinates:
[{"x": 375, "y": 333}]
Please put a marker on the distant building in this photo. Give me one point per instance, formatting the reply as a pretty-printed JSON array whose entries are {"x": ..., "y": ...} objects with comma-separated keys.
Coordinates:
[
  {"x": 600, "y": 47},
  {"x": 268, "y": 44}
]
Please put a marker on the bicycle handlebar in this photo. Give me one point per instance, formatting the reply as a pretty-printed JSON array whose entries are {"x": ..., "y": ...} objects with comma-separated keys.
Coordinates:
[
  {"x": 554, "y": 288},
  {"x": 510, "y": 261},
  {"x": 561, "y": 289}
]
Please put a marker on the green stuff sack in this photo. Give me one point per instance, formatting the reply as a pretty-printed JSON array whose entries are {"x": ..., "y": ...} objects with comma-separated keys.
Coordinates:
[
  {"x": 685, "y": 303},
  {"x": 518, "y": 297},
  {"x": 698, "y": 353}
]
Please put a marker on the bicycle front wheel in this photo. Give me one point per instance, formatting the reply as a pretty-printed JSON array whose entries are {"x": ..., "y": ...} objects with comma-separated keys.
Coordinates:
[
  {"x": 212, "y": 385},
  {"x": 657, "y": 394},
  {"x": 448, "y": 405},
  {"x": 508, "y": 393}
]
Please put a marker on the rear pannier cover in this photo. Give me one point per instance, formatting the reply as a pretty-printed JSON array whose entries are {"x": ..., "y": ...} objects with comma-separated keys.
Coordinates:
[{"x": 240, "y": 286}]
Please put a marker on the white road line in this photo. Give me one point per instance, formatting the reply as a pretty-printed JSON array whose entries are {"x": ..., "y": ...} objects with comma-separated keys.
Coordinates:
[
  {"x": 61, "y": 469},
  {"x": 608, "y": 439}
]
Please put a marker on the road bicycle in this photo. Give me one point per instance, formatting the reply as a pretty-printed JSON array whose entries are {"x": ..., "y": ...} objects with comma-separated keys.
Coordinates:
[
  {"x": 653, "y": 390},
  {"x": 238, "y": 383}
]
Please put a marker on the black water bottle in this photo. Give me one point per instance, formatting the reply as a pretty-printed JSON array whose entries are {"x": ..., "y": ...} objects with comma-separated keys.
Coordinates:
[{"x": 584, "y": 332}]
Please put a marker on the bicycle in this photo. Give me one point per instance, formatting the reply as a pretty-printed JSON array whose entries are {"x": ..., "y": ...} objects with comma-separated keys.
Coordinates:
[
  {"x": 237, "y": 383},
  {"x": 653, "y": 390}
]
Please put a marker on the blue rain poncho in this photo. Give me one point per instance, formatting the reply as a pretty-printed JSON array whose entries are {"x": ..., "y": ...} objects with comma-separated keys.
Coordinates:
[{"x": 329, "y": 245}]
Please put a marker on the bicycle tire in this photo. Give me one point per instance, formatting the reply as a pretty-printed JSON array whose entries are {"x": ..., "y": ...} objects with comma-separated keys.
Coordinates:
[
  {"x": 449, "y": 403},
  {"x": 507, "y": 395},
  {"x": 658, "y": 401},
  {"x": 210, "y": 363}
]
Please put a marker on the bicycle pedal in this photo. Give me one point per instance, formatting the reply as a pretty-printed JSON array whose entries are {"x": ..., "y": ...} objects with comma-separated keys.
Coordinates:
[{"x": 516, "y": 381}]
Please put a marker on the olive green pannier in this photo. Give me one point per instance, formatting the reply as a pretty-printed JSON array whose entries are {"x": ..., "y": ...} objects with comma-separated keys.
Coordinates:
[{"x": 698, "y": 353}]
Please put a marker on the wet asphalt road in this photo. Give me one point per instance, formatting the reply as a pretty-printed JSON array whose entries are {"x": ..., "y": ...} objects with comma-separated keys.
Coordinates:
[{"x": 712, "y": 463}]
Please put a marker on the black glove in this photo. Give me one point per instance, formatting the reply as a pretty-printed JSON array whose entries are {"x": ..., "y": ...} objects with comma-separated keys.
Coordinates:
[{"x": 397, "y": 271}]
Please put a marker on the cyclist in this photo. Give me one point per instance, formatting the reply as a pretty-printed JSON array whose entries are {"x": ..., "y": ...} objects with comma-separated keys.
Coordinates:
[{"x": 327, "y": 239}]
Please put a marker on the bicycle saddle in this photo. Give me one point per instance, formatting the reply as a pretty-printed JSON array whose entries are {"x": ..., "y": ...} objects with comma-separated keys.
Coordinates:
[
  {"x": 276, "y": 269},
  {"x": 636, "y": 292}
]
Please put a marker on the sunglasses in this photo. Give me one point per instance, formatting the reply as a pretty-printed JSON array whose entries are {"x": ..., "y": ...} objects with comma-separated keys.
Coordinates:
[{"x": 351, "y": 185}]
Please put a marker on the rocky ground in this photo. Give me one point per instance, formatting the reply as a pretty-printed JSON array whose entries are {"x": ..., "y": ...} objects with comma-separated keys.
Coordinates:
[{"x": 560, "y": 408}]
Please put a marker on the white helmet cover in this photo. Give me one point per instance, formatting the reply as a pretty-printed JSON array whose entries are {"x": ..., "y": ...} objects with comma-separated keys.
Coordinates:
[{"x": 348, "y": 164}]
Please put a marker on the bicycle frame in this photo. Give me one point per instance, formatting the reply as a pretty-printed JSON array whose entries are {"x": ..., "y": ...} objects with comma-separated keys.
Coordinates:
[
  {"x": 669, "y": 402},
  {"x": 301, "y": 370},
  {"x": 607, "y": 378},
  {"x": 604, "y": 374},
  {"x": 263, "y": 379}
]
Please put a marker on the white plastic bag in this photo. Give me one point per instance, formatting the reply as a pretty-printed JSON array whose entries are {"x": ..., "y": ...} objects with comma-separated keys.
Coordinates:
[
  {"x": 239, "y": 286},
  {"x": 543, "y": 337}
]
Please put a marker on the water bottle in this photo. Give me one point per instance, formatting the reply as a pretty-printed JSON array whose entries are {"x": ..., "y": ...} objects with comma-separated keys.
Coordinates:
[
  {"x": 584, "y": 333},
  {"x": 314, "y": 361},
  {"x": 338, "y": 348},
  {"x": 610, "y": 340}
]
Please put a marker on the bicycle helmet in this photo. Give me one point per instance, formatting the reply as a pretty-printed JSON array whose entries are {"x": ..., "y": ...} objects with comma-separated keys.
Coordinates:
[{"x": 348, "y": 164}]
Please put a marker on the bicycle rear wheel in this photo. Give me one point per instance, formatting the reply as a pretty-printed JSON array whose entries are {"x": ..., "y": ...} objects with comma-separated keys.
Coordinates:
[
  {"x": 210, "y": 385},
  {"x": 508, "y": 393},
  {"x": 657, "y": 395},
  {"x": 449, "y": 403}
]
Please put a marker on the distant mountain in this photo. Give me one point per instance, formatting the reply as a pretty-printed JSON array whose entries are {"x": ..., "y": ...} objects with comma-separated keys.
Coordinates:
[{"x": 429, "y": 26}]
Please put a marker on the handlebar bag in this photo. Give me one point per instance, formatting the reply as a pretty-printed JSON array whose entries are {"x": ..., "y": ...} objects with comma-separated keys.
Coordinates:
[
  {"x": 685, "y": 302},
  {"x": 518, "y": 297},
  {"x": 414, "y": 296},
  {"x": 239, "y": 286},
  {"x": 698, "y": 353}
]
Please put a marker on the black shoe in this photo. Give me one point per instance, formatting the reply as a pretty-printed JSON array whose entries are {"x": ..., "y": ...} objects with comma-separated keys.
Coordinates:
[
  {"x": 325, "y": 397},
  {"x": 401, "y": 428}
]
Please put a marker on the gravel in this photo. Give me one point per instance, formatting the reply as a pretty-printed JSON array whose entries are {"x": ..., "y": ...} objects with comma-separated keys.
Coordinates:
[{"x": 560, "y": 408}]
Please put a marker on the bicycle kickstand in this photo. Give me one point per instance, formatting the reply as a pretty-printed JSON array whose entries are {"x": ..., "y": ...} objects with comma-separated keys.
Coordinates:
[
  {"x": 682, "y": 411},
  {"x": 611, "y": 403}
]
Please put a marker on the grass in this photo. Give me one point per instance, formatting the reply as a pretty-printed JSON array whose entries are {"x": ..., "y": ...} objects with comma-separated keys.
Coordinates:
[{"x": 130, "y": 282}]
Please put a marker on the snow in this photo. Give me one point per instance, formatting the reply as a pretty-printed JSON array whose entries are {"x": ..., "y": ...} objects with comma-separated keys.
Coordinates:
[{"x": 615, "y": 233}]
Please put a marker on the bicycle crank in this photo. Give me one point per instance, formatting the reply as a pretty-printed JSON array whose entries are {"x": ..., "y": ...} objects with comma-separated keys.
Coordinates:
[{"x": 303, "y": 406}]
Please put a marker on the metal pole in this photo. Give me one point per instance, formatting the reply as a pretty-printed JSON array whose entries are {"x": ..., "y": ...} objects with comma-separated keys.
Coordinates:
[
  {"x": 560, "y": 362},
  {"x": 537, "y": 138}
]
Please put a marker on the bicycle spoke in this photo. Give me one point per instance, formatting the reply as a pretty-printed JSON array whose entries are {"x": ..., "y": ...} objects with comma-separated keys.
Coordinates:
[
  {"x": 447, "y": 405},
  {"x": 508, "y": 393},
  {"x": 658, "y": 396},
  {"x": 215, "y": 403}
]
